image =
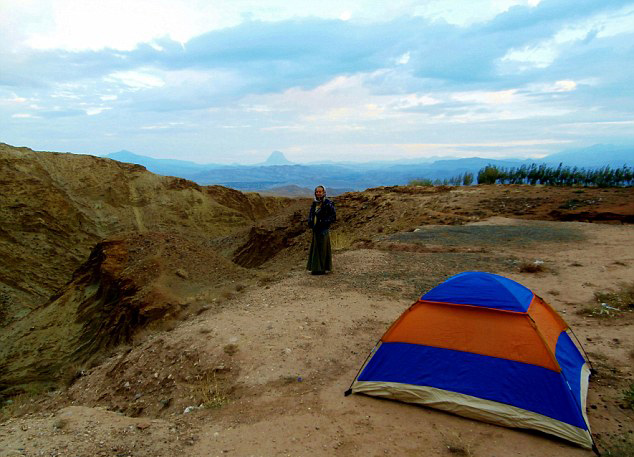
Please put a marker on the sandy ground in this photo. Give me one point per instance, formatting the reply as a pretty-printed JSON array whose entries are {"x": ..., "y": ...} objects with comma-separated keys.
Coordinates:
[{"x": 273, "y": 364}]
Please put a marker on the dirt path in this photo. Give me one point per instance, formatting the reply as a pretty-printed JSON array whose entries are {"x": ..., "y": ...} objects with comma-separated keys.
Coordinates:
[{"x": 275, "y": 361}]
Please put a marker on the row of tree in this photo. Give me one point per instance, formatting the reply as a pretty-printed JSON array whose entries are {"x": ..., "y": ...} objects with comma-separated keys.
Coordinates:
[
  {"x": 560, "y": 176},
  {"x": 465, "y": 179}
]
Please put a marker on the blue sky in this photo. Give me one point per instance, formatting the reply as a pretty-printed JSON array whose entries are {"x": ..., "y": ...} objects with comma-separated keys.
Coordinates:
[{"x": 230, "y": 81}]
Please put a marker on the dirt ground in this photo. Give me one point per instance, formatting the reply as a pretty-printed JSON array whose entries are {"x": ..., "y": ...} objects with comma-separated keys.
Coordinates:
[{"x": 263, "y": 372}]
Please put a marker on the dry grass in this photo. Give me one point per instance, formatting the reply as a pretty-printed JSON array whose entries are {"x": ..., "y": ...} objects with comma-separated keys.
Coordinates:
[
  {"x": 210, "y": 393},
  {"x": 230, "y": 349},
  {"x": 227, "y": 295},
  {"x": 61, "y": 423},
  {"x": 457, "y": 445},
  {"x": 18, "y": 405},
  {"x": 265, "y": 280},
  {"x": 340, "y": 240},
  {"x": 72, "y": 373}
]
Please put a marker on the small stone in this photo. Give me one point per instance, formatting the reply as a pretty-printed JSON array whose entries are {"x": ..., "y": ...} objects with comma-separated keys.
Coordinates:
[{"x": 143, "y": 425}]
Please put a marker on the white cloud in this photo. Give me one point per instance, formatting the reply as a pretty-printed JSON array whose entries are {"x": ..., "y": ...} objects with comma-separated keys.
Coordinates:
[
  {"x": 136, "y": 79},
  {"x": 167, "y": 125},
  {"x": 345, "y": 16},
  {"x": 466, "y": 12},
  {"x": 96, "y": 110},
  {"x": 14, "y": 99},
  {"x": 603, "y": 25},
  {"x": 564, "y": 86},
  {"x": 403, "y": 59},
  {"x": 500, "y": 97},
  {"x": 414, "y": 101}
]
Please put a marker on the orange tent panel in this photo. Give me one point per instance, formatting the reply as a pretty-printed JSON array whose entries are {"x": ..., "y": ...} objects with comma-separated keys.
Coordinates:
[{"x": 489, "y": 332}]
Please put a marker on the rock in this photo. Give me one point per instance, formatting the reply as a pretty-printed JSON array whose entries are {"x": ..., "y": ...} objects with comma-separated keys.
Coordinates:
[{"x": 182, "y": 273}]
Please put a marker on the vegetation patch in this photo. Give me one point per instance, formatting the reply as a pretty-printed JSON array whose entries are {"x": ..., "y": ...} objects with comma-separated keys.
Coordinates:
[
  {"x": 619, "y": 446},
  {"x": 622, "y": 299},
  {"x": 612, "y": 303},
  {"x": 19, "y": 405}
]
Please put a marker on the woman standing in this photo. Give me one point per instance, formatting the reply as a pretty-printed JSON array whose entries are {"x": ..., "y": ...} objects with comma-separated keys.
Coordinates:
[{"x": 322, "y": 214}]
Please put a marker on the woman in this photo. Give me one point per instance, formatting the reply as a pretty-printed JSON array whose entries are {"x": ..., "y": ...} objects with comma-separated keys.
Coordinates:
[{"x": 322, "y": 214}]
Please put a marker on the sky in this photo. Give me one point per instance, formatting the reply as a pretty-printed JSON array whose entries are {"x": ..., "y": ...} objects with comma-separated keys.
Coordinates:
[{"x": 225, "y": 81}]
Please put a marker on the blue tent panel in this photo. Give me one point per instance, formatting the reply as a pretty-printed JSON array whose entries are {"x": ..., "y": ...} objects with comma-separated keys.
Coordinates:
[
  {"x": 513, "y": 383},
  {"x": 482, "y": 289},
  {"x": 571, "y": 363}
]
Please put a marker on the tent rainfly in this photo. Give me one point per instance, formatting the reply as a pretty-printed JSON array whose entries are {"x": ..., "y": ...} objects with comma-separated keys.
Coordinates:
[{"x": 485, "y": 347}]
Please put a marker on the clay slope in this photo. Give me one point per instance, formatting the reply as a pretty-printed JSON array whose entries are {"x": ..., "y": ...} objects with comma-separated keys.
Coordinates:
[
  {"x": 127, "y": 284},
  {"x": 56, "y": 207}
]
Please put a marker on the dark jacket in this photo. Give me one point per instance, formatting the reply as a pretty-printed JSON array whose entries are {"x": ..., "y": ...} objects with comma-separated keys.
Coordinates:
[{"x": 324, "y": 217}]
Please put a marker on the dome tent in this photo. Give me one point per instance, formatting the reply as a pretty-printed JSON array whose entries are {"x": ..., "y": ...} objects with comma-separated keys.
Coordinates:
[{"x": 485, "y": 347}]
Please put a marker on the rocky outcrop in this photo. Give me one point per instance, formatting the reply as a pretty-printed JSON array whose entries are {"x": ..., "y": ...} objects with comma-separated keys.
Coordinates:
[{"x": 126, "y": 285}]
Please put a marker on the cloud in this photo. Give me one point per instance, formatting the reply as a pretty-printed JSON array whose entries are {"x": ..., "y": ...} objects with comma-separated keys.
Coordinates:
[{"x": 327, "y": 78}]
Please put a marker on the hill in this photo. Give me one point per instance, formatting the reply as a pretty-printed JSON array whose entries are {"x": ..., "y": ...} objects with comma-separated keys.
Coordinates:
[{"x": 184, "y": 322}]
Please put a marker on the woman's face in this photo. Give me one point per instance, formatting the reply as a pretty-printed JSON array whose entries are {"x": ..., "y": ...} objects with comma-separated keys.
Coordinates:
[{"x": 319, "y": 192}]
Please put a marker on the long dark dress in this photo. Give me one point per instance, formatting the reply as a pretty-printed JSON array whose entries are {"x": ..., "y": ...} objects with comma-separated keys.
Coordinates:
[{"x": 320, "y": 217}]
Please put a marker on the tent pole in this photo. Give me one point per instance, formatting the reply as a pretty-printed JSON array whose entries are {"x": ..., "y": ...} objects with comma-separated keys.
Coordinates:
[
  {"x": 349, "y": 391},
  {"x": 584, "y": 351}
]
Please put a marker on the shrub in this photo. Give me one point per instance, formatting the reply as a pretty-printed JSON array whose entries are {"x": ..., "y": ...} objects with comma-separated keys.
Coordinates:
[
  {"x": 628, "y": 397},
  {"x": 421, "y": 182},
  {"x": 531, "y": 267}
]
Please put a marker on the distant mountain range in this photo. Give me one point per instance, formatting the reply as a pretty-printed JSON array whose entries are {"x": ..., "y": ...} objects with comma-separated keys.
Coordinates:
[{"x": 278, "y": 173}]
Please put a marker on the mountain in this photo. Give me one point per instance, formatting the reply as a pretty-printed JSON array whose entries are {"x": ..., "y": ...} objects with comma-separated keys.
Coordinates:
[
  {"x": 165, "y": 167},
  {"x": 296, "y": 191},
  {"x": 598, "y": 155},
  {"x": 277, "y": 158},
  {"x": 278, "y": 172}
]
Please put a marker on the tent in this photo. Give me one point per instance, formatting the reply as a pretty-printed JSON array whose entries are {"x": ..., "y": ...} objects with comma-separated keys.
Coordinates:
[{"x": 483, "y": 346}]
